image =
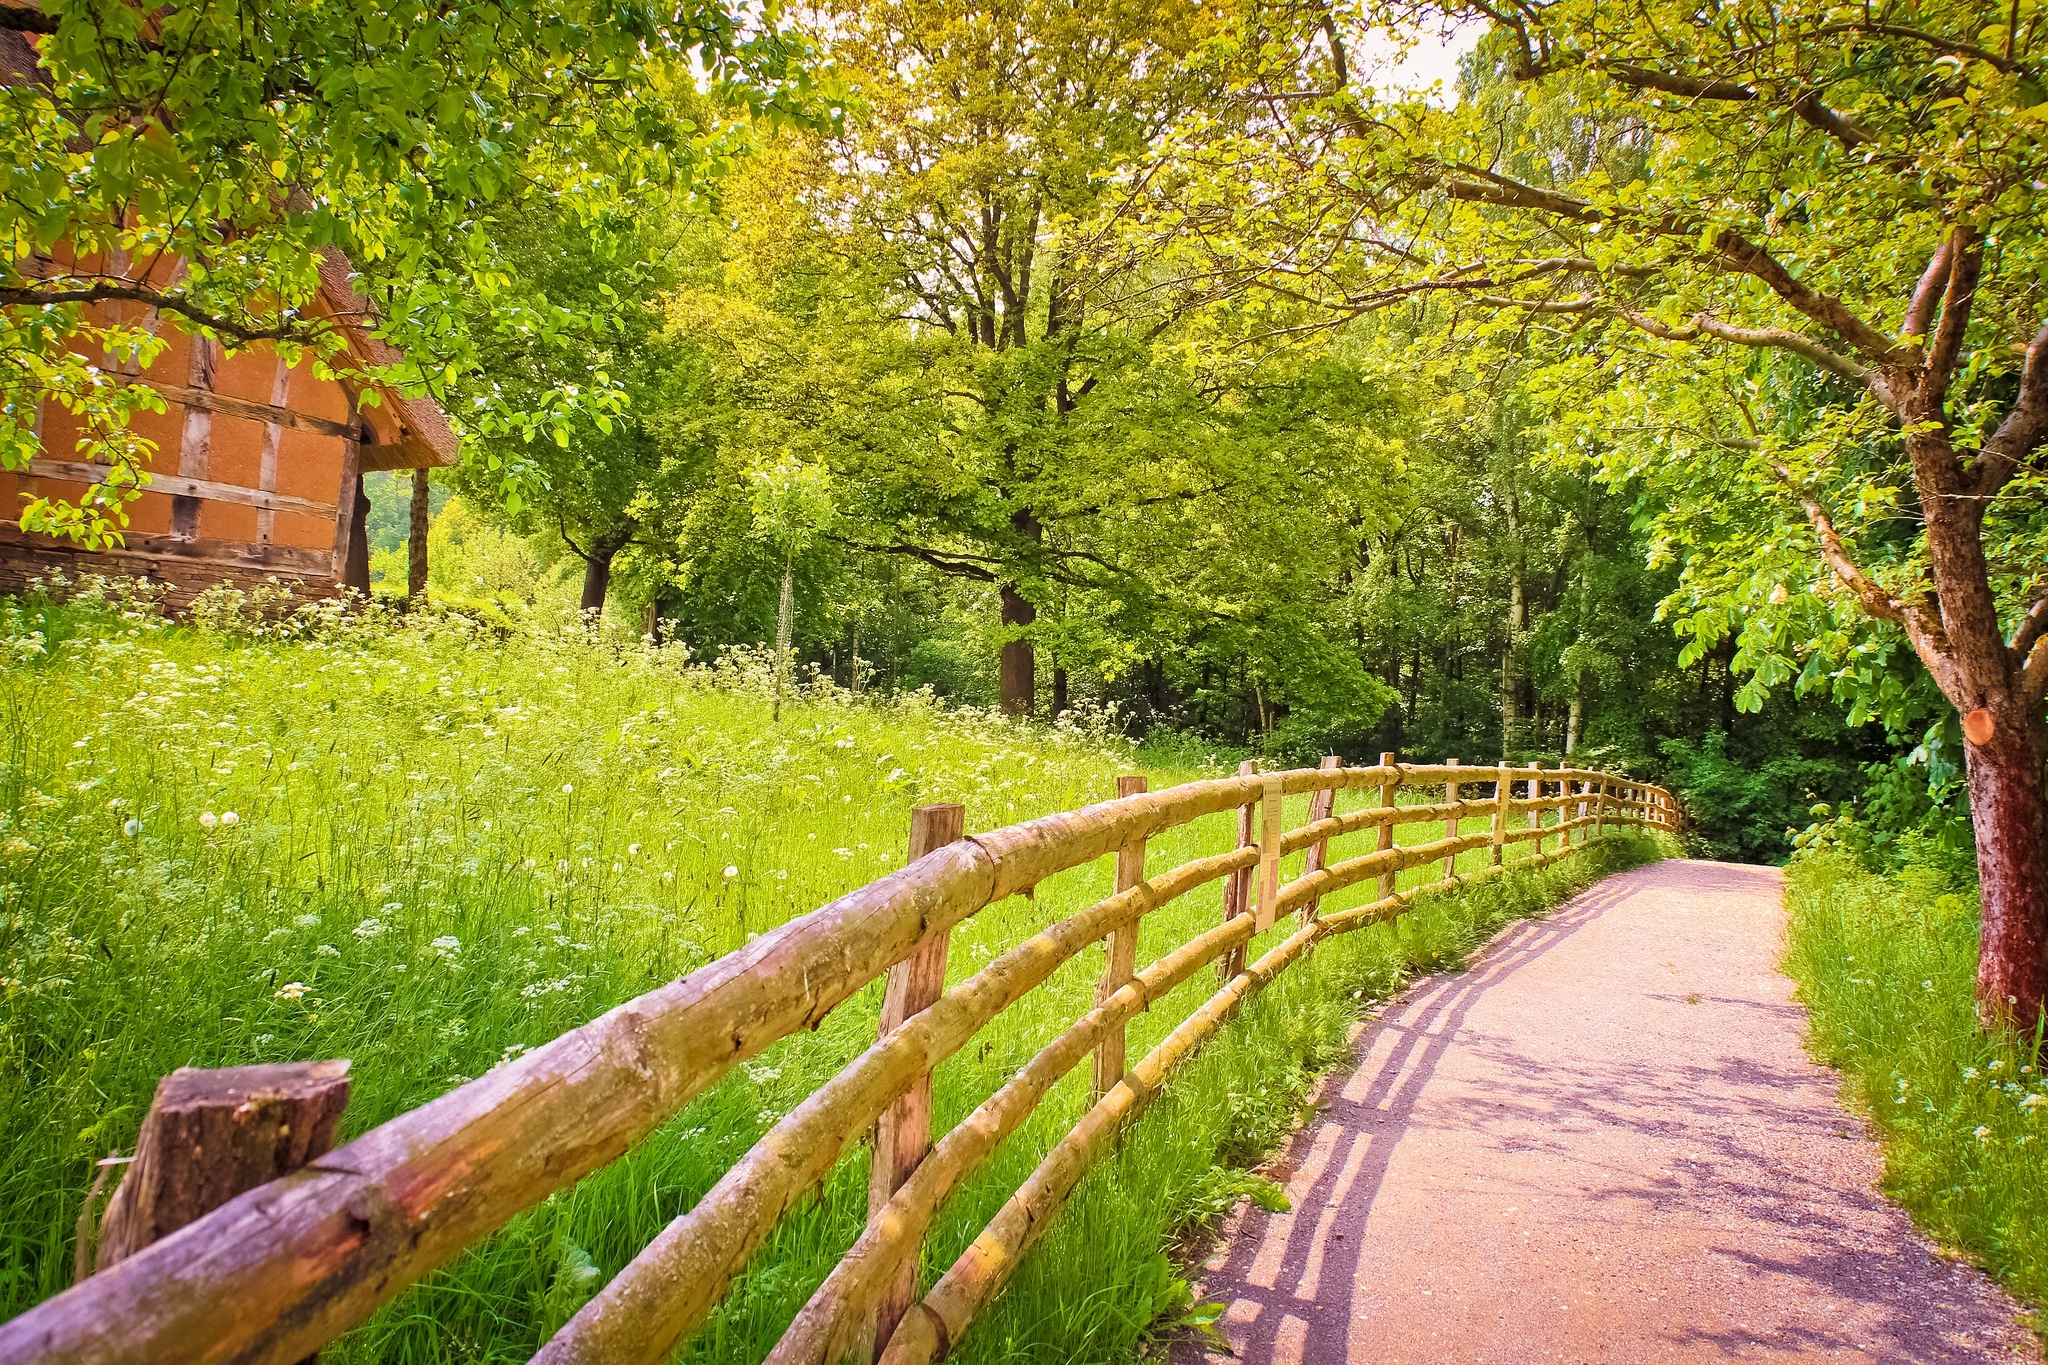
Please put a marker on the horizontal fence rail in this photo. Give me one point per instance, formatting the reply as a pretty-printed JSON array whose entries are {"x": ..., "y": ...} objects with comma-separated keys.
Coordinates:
[{"x": 278, "y": 1272}]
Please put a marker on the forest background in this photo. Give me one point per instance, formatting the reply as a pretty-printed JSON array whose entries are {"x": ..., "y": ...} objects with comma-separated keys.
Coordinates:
[{"x": 911, "y": 389}]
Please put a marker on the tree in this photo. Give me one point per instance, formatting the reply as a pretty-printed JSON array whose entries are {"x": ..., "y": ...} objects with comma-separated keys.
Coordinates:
[
  {"x": 583, "y": 343},
  {"x": 1799, "y": 249},
  {"x": 792, "y": 504},
  {"x": 992, "y": 137},
  {"x": 203, "y": 162}
]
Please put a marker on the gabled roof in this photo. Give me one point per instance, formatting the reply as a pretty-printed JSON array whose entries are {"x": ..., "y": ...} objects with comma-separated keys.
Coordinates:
[{"x": 426, "y": 432}]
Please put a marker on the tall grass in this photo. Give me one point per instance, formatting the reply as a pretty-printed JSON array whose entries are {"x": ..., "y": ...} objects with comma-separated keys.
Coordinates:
[
  {"x": 1887, "y": 968},
  {"x": 428, "y": 846}
]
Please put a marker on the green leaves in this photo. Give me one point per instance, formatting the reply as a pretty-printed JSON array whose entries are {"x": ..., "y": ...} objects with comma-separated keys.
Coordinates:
[{"x": 229, "y": 150}]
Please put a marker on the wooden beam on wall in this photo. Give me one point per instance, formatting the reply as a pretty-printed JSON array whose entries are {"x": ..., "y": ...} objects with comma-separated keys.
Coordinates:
[{"x": 78, "y": 471}]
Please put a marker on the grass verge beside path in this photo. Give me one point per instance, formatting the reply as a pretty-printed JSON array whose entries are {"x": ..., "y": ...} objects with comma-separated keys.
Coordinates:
[
  {"x": 429, "y": 846},
  {"x": 1887, "y": 969},
  {"x": 1105, "y": 1283}
]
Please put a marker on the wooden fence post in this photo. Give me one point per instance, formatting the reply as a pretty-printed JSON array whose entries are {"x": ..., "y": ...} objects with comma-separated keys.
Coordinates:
[
  {"x": 209, "y": 1136},
  {"x": 1122, "y": 950},
  {"x": 1503, "y": 792},
  {"x": 904, "y": 1132},
  {"x": 1451, "y": 821},
  {"x": 1600, "y": 807},
  {"x": 1564, "y": 806},
  {"x": 1536, "y": 814},
  {"x": 1387, "y": 790},
  {"x": 1272, "y": 825},
  {"x": 1237, "y": 891},
  {"x": 1584, "y": 787},
  {"x": 1321, "y": 806}
]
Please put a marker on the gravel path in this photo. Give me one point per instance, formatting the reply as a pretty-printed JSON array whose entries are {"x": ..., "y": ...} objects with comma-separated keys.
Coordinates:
[{"x": 1602, "y": 1143}]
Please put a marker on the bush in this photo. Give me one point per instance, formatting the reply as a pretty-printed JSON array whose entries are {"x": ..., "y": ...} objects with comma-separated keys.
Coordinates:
[{"x": 1745, "y": 811}]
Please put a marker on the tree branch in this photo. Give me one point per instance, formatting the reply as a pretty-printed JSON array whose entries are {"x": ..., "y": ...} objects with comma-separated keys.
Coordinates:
[
  {"x": 955, "y": 565},
  {"x": 2033, "y": 626},
  {"x": 165, "y": 303},
  {"x": 1705, "y": 324},
  {"x": 1922, "y": 626},
  {"x": 1807, "y": 106},
  {"x": 573, "y": 546},
  {"x": 1691, "y": 87},
  {"x": 1933, "y": 40},
  {"x": 1839, "y": 126},
  {"x": 2024, "y": 428},
  {"x": 1965, "y": 261},
  {"x": 1830, "y": 360},
  {"x": 1927, "y": 294},
  {"x": 1744, "y": 255}
]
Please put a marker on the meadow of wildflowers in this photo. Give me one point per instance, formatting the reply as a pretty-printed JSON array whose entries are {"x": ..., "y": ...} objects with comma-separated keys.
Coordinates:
[
  {"x": 428, "y": 845},
  {"x": 1887, "y": 967}
]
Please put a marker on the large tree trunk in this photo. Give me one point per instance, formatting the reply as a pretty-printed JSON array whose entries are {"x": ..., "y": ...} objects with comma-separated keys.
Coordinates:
[
  {"x": 597, "y": 567},
  {"x": 597, "y": 579},
  {"x": 416, "y": 539},
  {"x": 1518, "y": 619},
  {"x": 1019, "y": 682},
  {"x": 1018, "y": 685},
  {"x": 1966, "y": 650},
  {"x": 2010, "y": 812},
  {"x": 1576, "y": 717},
  {"x": 2003, "y": 745}
]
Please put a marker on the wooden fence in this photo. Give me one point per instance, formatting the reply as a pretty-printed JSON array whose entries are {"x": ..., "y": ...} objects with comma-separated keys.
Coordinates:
[{"x": 279, "y": 1271}]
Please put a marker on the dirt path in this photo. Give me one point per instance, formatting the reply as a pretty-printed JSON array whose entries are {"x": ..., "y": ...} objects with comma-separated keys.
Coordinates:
[{"x": 1603, "y": 1143}]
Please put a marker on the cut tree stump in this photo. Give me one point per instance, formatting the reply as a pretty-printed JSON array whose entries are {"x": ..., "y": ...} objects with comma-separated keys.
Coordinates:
[{"x": 211, "y": 1135}]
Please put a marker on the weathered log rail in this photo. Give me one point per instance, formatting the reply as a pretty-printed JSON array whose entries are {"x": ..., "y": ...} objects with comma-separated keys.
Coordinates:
[{"x": 280, "y": 1271}]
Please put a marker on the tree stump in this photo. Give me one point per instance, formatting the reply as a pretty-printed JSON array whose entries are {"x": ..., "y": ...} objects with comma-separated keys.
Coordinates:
[{"x": 211, "y": 1135}]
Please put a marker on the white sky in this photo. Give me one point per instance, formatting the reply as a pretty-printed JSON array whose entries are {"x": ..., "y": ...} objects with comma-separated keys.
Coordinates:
[{"x": 1432, "y": 61}]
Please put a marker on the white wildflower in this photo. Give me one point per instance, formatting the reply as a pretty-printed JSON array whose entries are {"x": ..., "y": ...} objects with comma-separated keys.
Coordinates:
[
  {"x": 291, "y": 990},
  {"x": 731, "y": 871}
]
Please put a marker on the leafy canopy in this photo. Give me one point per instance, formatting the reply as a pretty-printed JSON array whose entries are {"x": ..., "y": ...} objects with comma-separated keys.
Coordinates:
[{"x": 198, "y": 163}]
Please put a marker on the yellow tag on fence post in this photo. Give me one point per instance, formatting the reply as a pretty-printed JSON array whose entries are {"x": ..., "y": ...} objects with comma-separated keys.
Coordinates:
[{"x": 1269, "y": 854}]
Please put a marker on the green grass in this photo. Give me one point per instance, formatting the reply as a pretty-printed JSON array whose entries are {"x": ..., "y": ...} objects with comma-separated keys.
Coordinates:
[
  {"x": 451, "y": 844},
  {"x": 1887, "y": 968}
]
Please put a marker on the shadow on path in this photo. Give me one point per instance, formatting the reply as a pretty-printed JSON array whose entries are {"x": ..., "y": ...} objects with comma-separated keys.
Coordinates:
[{"x": 1600, "y": 1142}]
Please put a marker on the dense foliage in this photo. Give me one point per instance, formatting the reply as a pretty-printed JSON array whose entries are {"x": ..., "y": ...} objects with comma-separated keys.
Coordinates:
[{"x": 198, "y": 166}]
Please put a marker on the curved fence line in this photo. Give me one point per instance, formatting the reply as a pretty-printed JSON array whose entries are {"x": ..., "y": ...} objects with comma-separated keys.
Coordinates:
[{"x": 283, "y": 1269}]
